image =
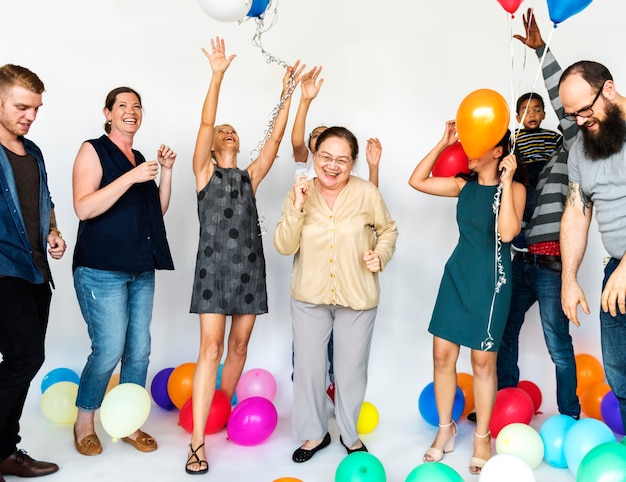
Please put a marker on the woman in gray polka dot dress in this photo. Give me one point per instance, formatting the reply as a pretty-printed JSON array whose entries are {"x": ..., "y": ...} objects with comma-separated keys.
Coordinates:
[{"x": 230, "y": 266}]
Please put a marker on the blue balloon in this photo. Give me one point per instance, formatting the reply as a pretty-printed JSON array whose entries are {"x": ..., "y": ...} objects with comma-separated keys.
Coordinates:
[
  {"x": 59, "y": 375},
  {"x": 428, "y": 405},
  {"x": 552, "y": 432},
  {"x": 609, "y": 408},
  {"x": 561, "y": 10},
  {"x": 258, "y": 8},
  {"x": 584, "y": 435},
  {"x": 158, "y": 388}
]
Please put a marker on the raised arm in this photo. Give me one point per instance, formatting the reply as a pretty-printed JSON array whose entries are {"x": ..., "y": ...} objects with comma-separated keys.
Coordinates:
[
  {"x": 440, "y": 186},
  {"x": 551, "y": 71},
  {"x": 373, "y": 153},
  {"x": 202, "y": 163},
  {"x": 310, "y": 86},
  {"x": 166, "y": 158},
  {"x": 262, "y": 164}
]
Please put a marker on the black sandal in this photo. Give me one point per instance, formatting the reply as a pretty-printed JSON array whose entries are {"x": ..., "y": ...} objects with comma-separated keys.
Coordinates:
[{"x": 194, "y": 459}]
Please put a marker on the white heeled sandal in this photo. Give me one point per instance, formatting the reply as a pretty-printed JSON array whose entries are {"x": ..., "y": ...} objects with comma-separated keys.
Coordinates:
[
  {"x": 433, "y": 454},
  {"x": 476, "y": 463}
]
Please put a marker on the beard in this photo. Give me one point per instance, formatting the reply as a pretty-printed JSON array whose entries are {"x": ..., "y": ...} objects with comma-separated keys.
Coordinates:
[{"x": 609, "y": 138}]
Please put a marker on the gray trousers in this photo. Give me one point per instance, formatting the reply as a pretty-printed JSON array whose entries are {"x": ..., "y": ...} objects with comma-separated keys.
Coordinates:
[{"x": 352, "y": 338}]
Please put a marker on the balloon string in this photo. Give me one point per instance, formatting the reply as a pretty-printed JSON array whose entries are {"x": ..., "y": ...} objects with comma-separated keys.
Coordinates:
[{"x": 499, "y": 273}]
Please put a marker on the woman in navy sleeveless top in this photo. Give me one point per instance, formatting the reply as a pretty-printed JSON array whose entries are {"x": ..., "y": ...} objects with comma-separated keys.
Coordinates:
[{"x": 121, "y": 242}]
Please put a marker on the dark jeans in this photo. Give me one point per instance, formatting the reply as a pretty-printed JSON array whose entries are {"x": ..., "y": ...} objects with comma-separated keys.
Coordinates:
[
  {"x": 613, "y": 339},
  {"x": 534, "y": 283},
  {"x": 24, "y": 309}
]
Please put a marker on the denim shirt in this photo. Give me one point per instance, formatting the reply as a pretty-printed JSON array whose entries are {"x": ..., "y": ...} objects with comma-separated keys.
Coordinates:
[{"x": 15, "y": 249}]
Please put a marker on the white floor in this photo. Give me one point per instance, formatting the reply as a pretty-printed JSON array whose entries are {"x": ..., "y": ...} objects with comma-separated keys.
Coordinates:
[{"x": 398, "y": 442}]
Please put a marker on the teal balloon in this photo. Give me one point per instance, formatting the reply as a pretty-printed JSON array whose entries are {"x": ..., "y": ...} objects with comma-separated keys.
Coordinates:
[
  {"x": 552, "y": 432},
  {"x": 584, "y": 435},
  {"x": 59, "y": 375},
  {"x": 360, "y": 467},
  {"x": 433, "y": 472},
  {"x": 561, "y": 10},
  {"x": 606, "y": 463}
]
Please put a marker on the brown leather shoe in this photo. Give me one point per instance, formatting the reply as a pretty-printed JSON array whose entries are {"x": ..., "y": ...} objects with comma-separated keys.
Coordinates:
[
  {"x": 21, "y": 464},
  {"x": 143, "y": 442},
  {"x": 89, "y": 445},
  {"x": 1, "y": 478}
]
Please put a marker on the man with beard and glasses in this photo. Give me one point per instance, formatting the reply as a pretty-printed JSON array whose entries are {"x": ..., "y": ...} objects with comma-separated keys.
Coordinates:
[{"x": 597, "y": 177}]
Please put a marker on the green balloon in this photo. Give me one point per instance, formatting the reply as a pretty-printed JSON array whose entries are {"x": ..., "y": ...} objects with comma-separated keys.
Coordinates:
[
  {"x": 434, "y": 472},
  {"x": 606, "y": 462},
  {"x": 360, "y": 467}
]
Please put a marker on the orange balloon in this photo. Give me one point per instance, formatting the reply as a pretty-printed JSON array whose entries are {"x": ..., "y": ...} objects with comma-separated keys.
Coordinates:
[
  {"x": 588, "y": 371},
  {"x": 481, "y": 121},
  {"x": 465, "y": 382},
  {"x": 287, "y": 479},
  {"x": 113, "y": 382},
  {"x": 591, "y": 399},
  {"x": 179, "y": 384}
]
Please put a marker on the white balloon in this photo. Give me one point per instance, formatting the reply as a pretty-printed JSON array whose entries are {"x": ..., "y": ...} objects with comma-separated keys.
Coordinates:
[
  {"x": 507, "y": 467},
  {"x": 226, "y": 10}
]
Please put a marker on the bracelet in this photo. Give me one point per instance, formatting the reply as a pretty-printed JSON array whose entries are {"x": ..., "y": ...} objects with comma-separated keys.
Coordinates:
[{"x": 55, "y": 230}]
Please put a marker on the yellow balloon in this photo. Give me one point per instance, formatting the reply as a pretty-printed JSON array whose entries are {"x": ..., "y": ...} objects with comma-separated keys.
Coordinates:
[
  {"x": 58, "y": 402},
  {"x": 368, "y": 418},
  {"x": 125, "y": 409}
]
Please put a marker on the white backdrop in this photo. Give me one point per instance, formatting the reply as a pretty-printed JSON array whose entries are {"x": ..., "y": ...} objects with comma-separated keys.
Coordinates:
[{"x": 395, "y": 70}]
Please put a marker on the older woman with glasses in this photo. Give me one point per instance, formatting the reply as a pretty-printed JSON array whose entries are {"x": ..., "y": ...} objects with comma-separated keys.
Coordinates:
[{"x": 340, "y": 231}]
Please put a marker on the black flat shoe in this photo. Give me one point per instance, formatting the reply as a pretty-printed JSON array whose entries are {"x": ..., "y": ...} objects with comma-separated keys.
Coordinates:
[
  {"x": 302, "y": 455},
  {"x": 362, "y": 448}
]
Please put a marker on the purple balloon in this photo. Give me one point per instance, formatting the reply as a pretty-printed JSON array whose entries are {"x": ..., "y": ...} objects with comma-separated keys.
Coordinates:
[
  {"x": 609, "y": 408},
  {"x": 252, "y": 421},
  {"x": 158, "y": 388}
]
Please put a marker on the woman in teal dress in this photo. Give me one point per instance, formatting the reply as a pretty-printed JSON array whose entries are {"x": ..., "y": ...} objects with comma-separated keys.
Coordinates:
[{"x": 474, "y": 295}]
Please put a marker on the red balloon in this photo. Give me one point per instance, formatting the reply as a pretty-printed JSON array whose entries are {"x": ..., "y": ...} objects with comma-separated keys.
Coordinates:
[
  {"x": 533, "y": 392},
  {"x": 510, "y": 6},
  {"x": 218, "y": 414},
  {"x": 451, "y": 161},
  {"x": 513, "y": 405}
]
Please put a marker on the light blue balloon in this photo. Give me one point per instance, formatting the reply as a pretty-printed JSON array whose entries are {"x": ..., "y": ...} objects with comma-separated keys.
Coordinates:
[
  {"x": 561, "y": 10},
  {"x": 584, "y": 435},
  {"x": 59, "y": 375},
  {"x": 552, "y": 432}
]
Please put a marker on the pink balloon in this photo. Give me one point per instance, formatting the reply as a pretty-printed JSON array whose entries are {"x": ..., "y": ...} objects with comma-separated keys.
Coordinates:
[
  {"x": 252, "y": 421},
  {"x": 510, "y": 6},
  {"x": 256, "y": 382}
]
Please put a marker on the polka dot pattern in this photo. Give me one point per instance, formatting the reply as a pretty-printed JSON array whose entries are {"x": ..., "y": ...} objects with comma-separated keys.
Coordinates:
[{"x": 230, "y": 264}]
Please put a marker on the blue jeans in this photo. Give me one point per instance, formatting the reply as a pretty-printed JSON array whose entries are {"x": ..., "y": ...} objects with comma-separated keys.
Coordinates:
[
  {"x": 613, "y": 339},
  {"x": 117, "y": 307},
  {"x": 533, "y": 283}
]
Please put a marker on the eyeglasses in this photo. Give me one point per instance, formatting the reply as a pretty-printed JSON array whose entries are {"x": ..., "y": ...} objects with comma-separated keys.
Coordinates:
[
  {"x": 586, "y": 112},
  {"x": 340, "y": 161}
]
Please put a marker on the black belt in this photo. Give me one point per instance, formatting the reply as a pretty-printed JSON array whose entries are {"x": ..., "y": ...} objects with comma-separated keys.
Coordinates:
[{"x": 552, "y": 262}]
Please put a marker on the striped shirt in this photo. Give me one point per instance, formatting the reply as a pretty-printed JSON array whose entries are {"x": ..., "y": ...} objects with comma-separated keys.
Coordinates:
[{"x": 545, "y": 222}]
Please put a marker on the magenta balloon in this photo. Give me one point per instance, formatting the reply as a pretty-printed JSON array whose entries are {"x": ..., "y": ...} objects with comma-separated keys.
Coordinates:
[{"x": 252, "y": 421}]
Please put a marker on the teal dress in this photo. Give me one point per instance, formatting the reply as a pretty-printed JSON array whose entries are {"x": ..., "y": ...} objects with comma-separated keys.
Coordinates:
[{"x": 475, "y": 292}]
